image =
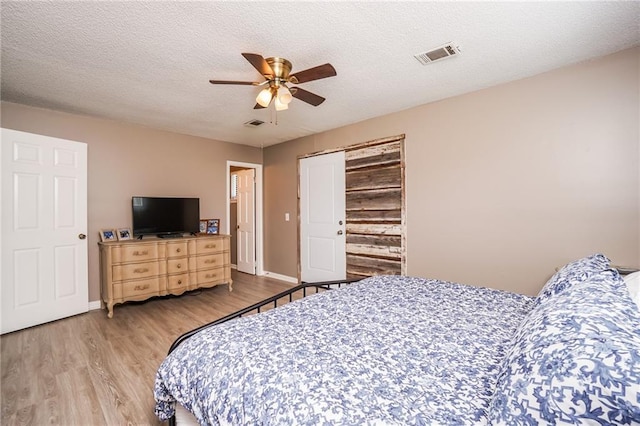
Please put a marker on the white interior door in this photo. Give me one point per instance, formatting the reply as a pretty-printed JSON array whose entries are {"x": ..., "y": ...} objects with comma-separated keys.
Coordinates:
[
  {"x": 246, "y": 259},
  {"x": 322, "y": 218},
  {"x": 44, "y": 222}
]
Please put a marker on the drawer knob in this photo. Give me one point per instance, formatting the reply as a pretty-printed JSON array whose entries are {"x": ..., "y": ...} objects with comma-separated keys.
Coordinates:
[
  {"x": 178, "y": 266},
  {"x": 179, "y": 282},
  {"x": 140, "y": 270},
  {"x": 178, "y": 250}
]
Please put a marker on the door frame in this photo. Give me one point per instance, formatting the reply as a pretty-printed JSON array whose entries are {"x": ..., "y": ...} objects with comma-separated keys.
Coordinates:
[{"x": 258, "y": 209}]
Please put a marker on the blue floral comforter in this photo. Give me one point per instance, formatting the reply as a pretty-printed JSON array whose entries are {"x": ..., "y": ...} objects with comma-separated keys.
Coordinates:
[{"x": 386, "y": 350}]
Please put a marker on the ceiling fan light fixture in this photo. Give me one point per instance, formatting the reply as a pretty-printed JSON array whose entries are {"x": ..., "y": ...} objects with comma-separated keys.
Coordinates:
[
  {"x": 284, "y": 95},
  {"x": 280, "y": 106},
  {"x": 277, "y": 73},
  {"x": 264, "y": 97}
]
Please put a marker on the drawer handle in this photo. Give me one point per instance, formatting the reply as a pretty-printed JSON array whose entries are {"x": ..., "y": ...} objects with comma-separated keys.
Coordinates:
[
  {"x": 210, "y": 246},
  {"x": 211, "y": 275},
  {"x": 141, "y": 253},
  {"x": 178, "y": 266},
  {"x": 210, "y": 261},
  {"x": 178, "y": 250},
  {"x": 140, "y": 270},
  {"x": 141, "y": 287},
  {"x": 179, "y": 282}
]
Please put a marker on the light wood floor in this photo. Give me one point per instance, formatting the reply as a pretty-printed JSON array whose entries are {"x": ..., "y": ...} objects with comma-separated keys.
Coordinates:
[{"x": 91, "y": 370}]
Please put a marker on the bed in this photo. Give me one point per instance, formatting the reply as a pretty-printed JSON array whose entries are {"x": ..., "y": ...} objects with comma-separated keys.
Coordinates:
[{"x": 408, "y": 350}]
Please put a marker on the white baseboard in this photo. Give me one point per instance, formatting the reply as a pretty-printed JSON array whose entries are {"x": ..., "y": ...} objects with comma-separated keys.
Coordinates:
[
  {"x": 281, "y": 277},
  {"x": 234, "y": 266},
  {"x": 95, "y": 305}
]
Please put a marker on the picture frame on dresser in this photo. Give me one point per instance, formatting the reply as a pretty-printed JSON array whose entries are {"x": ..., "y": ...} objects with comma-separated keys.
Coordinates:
[
  {"x": 124, "y": 234},
  {"x": 213, "y": 226},
  {"x": 203, "y": 226},
  {"x": 108, "y": 235}
]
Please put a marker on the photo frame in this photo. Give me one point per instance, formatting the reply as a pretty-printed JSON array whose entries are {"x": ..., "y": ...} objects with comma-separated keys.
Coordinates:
[
  {"x": 213, "y": 226},
  {"x": 203, "y": 226},
  {"x": 108, "y": 235},
  {"x": 124, "y": 234}
]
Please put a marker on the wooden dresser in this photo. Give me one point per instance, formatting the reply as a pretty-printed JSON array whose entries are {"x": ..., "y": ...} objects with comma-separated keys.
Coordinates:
[{"x": 140, "y": 269}]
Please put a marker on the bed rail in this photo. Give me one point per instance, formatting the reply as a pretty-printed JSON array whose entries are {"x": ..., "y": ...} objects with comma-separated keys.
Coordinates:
[{"x": 273, "y": 300}]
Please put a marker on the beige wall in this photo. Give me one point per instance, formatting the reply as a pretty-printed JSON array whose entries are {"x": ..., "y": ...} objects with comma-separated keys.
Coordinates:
[
  {"x": 126, "y": 160},
  {"x": 505, "y": 184}
]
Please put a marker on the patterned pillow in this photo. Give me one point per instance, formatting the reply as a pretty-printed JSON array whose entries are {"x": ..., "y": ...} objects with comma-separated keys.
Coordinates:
[
  {"x": 633, "y": 285},
  {"x": 572, "y": 273},
  {"x": 577, "y": 360}
]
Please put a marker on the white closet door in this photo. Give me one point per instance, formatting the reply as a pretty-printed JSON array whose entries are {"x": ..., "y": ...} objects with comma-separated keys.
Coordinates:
[
  {"x": 43, "y": 226},
  {"x": 322, "y": 218}
]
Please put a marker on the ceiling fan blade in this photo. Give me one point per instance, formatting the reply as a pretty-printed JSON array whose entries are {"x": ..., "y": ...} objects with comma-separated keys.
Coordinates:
[
  {"x": 315, "y": 73},
  {"x": 306, "y": 96},
  {"x": 259, "y": 63},
  {"x": 244, "y": 83}
]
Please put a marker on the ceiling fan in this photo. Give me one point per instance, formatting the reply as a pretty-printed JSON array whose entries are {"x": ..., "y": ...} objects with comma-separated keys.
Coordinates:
[{"x": 276, "y": 72}]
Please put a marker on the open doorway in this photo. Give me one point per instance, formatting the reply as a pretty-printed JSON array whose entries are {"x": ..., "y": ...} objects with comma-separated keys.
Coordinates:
[{"x": 244, "y": 216}]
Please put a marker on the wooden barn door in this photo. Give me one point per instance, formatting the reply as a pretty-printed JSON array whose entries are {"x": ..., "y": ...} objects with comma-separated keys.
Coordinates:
[{"x": 375, "y": 208}]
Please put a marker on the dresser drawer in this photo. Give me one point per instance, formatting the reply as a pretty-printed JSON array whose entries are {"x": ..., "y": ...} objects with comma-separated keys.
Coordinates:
[
  {"x": 134, "y": 288},
  {"x": 178, "y": 282},
  {"x": 177, "y": 265},
  {"x": 212, "y": 245},
  {"x": 210, "y": 275},
  {"x": 135, "y": 253},
  {"x": 177, "y": 249},
  {"x": 210, "y": 261},
  {"x": 135, "y": 271}
]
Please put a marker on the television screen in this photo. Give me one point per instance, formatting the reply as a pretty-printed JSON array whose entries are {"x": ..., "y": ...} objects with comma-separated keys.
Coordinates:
[{"x": 163, "y": 216}]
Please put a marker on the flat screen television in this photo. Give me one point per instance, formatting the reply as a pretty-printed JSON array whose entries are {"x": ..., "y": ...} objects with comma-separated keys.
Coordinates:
[{"x": 164, "y": 216}]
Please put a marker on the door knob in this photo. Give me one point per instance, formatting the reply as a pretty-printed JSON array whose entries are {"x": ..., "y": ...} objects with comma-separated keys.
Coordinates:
[
  {"x": 82, "y": 236},
  {"x": 340, "y": 232}
]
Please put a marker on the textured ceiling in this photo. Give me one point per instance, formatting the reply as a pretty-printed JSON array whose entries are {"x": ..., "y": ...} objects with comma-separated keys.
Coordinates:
[{"x": 150, "y": 62}]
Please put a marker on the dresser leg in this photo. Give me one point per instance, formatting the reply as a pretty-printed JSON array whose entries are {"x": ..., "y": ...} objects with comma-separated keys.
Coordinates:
[
  {"x": 110, "y": 309},
  {"x": 230, "y": 285}
]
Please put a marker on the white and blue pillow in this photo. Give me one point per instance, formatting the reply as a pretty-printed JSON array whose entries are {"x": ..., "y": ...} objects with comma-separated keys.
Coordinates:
[
  {"x": 576, "y": 356},
  {"x": 573, "y": 273}
]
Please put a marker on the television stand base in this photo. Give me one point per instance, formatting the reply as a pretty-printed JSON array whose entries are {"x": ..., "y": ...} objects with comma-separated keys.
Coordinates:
[{"x": 170, "y": 235}]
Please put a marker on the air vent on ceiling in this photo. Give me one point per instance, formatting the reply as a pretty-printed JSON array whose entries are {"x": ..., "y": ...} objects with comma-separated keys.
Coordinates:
[
  {"x": 253, "y": 123},
  {"x": 442, "y": 52}
]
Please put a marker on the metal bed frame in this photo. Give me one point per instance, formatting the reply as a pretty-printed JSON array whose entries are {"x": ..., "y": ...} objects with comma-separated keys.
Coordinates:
[{"x": 257, "y": 308}]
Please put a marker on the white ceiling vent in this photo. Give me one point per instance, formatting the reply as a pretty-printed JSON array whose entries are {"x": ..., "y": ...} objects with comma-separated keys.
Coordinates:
[
  {"x": 442, "y": 52},
  {"x": 253, "y": 123}
]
